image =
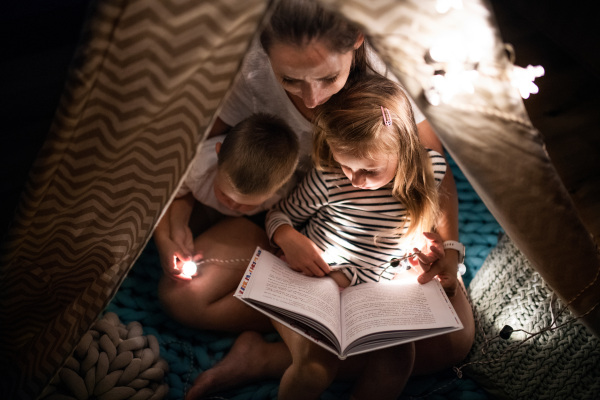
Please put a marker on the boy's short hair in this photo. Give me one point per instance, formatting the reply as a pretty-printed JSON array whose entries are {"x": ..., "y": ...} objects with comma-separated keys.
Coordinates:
[{"x": 259, "y": 154}]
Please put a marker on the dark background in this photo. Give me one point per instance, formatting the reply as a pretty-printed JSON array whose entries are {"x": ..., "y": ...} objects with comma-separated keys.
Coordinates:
[{"x": 39, "y": 38}]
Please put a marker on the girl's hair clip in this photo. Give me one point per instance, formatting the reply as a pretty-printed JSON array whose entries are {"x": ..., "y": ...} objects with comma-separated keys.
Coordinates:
[{"x": 387, "y": 118}]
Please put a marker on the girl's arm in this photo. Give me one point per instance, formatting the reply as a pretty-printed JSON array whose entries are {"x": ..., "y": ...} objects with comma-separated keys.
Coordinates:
[
  {"x": 301, "y": 253},
  {"x": 446, "y": 268}
]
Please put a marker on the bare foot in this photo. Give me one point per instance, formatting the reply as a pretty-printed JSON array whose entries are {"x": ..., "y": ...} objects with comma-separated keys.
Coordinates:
[{"x": 250, "y": 358}]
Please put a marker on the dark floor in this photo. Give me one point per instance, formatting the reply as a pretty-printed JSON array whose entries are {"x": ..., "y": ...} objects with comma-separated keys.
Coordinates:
[{"x": 39, "y": 37}]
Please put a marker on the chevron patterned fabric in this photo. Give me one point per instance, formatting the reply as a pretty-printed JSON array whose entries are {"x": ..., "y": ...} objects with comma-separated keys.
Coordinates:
[{"x": 142, "y": 90}]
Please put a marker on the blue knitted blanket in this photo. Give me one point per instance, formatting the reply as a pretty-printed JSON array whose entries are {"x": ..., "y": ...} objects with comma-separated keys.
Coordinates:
[{"x": 190, "y": 352}]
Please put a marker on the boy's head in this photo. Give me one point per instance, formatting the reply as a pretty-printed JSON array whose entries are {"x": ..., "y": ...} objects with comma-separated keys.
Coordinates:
[{"x": 256, "y": 158}]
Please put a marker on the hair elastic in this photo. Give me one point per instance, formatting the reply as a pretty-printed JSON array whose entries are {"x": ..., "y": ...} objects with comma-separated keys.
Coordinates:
[{"x": 387, "y": 118}]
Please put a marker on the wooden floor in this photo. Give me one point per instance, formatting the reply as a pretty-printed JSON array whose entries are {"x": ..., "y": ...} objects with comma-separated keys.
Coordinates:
[{"x": 39, "y": 39}]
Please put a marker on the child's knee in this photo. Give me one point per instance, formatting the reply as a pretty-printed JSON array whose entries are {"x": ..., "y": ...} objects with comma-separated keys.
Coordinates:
[
  {"x": 166, "y": 293},
  {"x": 314, "y": 364},
  {"x": 316, "y": 373},
  {"x": 175, "y": 299}
]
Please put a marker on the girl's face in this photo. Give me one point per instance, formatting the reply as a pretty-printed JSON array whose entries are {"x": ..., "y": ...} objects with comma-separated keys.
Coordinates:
[
  {"x": 227, "y": 196},
  {"x": 312, "y": 73},
  {"x": 365, "y": 173}
]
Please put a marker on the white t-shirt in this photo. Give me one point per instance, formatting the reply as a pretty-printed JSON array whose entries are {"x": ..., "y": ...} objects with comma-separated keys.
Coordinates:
[
  {"x": 201, "y": 176},
  {"x": 257, "y": 90}
]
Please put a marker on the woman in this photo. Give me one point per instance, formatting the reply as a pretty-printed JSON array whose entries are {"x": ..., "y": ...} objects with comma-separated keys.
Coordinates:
[{"x": 309, "y": 54}]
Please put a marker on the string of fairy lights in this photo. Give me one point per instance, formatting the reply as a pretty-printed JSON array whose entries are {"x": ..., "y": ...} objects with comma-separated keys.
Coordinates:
[{"x": 456, "y": 59}]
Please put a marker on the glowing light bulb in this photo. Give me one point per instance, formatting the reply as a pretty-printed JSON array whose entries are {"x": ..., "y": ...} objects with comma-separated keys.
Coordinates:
[
  {"x": 189, "y": 269},
  {"x": 443, "y": 87},
  {"x": 443, "y": 6},
  {"x": 522, "y": 79}
]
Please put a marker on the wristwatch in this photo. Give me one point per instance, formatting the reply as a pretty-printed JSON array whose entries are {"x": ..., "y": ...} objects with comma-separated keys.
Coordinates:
[{"x": 458, "y": 246}]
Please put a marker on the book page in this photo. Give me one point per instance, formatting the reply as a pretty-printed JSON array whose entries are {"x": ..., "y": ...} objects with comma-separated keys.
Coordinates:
[
  {"x": 273, "y": 282},
  {"x": 394, "y": 305}
]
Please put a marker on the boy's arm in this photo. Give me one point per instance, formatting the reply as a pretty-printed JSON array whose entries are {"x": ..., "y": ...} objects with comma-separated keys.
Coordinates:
[{"x": 173, "y": 236}]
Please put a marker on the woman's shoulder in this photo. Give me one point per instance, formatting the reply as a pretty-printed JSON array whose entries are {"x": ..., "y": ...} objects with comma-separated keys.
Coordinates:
[
  {"x": 375, "y": 62},
  {"x": 256, "y": 62}
]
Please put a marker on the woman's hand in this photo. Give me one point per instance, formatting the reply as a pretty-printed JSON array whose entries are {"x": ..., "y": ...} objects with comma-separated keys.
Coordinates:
[
  {"x": 300, "y": 252},
  {"x": 434, "y": 261}
]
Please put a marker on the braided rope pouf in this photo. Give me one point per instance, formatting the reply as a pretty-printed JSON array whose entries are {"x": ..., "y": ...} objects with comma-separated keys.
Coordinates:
[
  {"x": 561, "y": 363},
  {"x": 112, "y": 361}
]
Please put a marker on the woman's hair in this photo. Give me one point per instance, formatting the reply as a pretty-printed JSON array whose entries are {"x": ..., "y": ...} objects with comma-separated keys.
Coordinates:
[
  {"x": 259, "y": 154},
  {"x": 298, "y": 22},
  {"x": 352, "y": 123}
]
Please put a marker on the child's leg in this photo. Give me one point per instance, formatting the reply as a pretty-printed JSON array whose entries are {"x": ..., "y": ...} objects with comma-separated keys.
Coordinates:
[
  {"x": 207, "y": 302},
  {"x": 312, "y": 370},
  {"x": 385, "y": 373}
]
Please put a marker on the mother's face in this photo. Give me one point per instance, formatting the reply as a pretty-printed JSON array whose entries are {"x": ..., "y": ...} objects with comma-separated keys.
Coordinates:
[{"x": 312, "y": 72}]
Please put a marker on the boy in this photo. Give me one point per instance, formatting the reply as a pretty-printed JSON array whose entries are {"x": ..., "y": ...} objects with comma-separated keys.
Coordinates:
[{"x": 243, "y": 172}]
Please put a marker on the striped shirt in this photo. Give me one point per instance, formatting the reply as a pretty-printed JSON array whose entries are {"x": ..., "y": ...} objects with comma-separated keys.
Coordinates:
[{"x": 352, "y": 226}]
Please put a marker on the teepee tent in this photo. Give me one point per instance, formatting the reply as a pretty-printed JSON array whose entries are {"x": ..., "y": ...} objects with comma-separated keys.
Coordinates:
[{"x": 145, "y": 85}]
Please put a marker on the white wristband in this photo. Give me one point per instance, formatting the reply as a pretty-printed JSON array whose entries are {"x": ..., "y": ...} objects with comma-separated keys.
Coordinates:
[{"x": 458, "y": 246}]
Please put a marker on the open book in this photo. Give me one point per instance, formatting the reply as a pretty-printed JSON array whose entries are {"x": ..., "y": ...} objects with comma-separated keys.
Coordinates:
[{"x": 358, "y": 319}]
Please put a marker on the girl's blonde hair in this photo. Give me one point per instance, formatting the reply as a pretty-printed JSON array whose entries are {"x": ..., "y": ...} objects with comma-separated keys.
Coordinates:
[{"x": 352, "y": 123}]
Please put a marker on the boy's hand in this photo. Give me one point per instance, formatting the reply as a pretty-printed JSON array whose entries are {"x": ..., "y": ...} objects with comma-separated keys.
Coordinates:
[
  {"x": 174, "y": 250},
  {"x": 300, "y": 252},
  {"x": 434, "y": 261}
]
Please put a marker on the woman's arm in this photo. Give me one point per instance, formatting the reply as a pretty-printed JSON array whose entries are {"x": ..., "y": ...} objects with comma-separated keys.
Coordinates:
[
  {"x": 445, "y": 268},
  {"x": 218, "y": 128}
]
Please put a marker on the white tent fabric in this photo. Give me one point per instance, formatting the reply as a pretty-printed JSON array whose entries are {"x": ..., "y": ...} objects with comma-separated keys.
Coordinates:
[{"x": 145, "y": 86}]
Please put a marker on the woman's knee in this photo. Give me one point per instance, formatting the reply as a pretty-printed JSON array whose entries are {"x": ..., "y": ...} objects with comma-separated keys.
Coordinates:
[{"x": 389, "y": 362}]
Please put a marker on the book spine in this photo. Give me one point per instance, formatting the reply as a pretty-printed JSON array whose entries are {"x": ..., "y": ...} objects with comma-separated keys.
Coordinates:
[{"x": 249, "y": 271}]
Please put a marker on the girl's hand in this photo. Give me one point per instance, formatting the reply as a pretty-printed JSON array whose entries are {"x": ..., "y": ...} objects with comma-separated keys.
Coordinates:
[
  {"x": 300, "y": 252},
  {"x": 434, "y": 261}
]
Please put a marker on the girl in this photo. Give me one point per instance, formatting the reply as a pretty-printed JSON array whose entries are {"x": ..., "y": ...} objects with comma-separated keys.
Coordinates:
[{"x": 372, "y": 193}]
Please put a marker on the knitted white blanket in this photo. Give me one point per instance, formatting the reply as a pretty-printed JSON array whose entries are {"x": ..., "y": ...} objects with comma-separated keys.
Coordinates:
[{"x": 561, "y": 363}]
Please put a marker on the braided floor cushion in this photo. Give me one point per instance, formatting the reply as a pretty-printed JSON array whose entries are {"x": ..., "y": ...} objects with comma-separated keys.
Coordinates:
[
  {"x": 563, "y": 363},
  {"x": 189, "y": 352},
  {"x": 112, "y": 361}
]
